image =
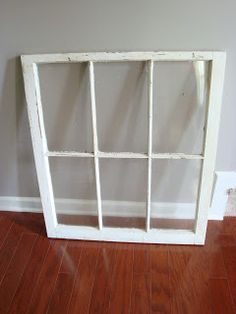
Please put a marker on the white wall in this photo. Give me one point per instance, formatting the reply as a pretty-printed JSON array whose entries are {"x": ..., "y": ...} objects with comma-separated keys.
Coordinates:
[{"x": 63, "y": 26}]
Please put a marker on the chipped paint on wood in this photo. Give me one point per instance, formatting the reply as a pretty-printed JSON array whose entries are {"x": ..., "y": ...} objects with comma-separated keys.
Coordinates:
[
  {"x": 125, "y": 155},
  {"x": 150, "y": 130},
  {"x": 120, "y": 56},
  {"x": 95, "y": 142}
]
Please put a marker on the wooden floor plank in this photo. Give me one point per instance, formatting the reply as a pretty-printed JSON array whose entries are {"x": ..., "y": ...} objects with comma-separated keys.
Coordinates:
[
  {"x": 141, "y": 293},
  {"x": 120, "y": 301},
  {"x": 28, "y": 222},
  {"x": 61, "y": 294},
  {"x": 189, "y": 281},
  {"x": 5, "y": 225},
  {"x": 30, "y": 276},
  {"x": 141, "y": 289},
  {"x": 103, "y": 280},
  {"x": 216, "y": 265},
  {"x": 8, "y": 249},
  {"x": 95, "y": 277},
  {"x": 220, "y": 296},
  {"x": 83, "y": 286},
  {"x": 47, "y": 278},
  {"x": 228, "y": 225},
  {"x": 141, "y": 259},
  {"x": 160, "y": 285},
  {"x": 71, "y": 257},
  {"x": 15, "y": 271},
  {"x": 65, "y": 281},
  {"x": 229, "y": 255},
  {"x": 232, "y": 288},
  {"x": 214, "y": 257}
]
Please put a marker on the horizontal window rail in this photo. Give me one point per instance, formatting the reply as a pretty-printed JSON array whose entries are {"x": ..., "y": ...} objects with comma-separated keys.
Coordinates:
[{"x": 124, "y": 155}]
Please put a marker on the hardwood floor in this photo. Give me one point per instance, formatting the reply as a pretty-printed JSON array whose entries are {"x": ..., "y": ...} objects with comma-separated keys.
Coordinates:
[{"x": 38, "y": 275}]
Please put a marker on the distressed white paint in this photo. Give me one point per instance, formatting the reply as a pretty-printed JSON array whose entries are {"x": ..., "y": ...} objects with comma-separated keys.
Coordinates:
[
  {"x": 123, "y": 155},
  {"x": 69, "y": 154},
  {"x": 210, "y": 145},
  {"x": 126, "y": 235},
  {"x": 95, "y": 142},
  {"x": 120, "y": 56},
  {"x": 201, "y": 80},
  {"x": 150, "y": 129},
  {"x": 41, "y": 152},
  {"x": 176, "y": 156},
  {"x": 32, "y": 91}
]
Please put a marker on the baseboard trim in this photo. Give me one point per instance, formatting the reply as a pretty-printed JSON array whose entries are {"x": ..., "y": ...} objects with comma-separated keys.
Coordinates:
[
  {"x": 20, "y": 204},
  {"x": 223, "y": 182},
  {"x": 111, "y": 208}
]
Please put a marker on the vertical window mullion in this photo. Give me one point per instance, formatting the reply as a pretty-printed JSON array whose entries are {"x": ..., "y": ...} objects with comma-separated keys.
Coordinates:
[
  {"x": 95, "y": 143},
  {"x": 150, "y": 130}
]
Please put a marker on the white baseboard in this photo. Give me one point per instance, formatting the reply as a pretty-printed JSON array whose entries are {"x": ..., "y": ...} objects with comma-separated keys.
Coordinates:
[
  {"x": 224, "y": 181},
  {"x": 20, "y": 204},
  {"x": 111, "y": 208}
]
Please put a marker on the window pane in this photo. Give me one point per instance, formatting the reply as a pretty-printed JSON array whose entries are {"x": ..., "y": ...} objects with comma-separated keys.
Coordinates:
[
  {"x": 180, "y": 101},
  {"x": 123, "y": 189},
  {"x": 174, "y": 193},
  {"x": 121, "y": 94},
  {"x": 74, "y": 190},
  {"x": 66, "y": 106}
]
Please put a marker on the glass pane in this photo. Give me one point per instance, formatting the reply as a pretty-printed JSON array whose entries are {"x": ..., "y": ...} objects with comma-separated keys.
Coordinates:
[
  {"x": 174, "y": 193},
  {"x": 180, "y": 101},
  {"x": 121, "y": 94},
  {"x": 74, "y": 190},
  {"x": 123, "y": 189},
  {"x": 66, "y": 106}
]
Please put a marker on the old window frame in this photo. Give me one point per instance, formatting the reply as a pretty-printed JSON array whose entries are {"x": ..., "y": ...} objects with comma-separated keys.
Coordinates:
[{"x": 41, "y": 153}]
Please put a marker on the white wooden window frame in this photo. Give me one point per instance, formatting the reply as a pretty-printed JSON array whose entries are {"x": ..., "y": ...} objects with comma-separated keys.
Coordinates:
[{"x": 41, "y": 153}]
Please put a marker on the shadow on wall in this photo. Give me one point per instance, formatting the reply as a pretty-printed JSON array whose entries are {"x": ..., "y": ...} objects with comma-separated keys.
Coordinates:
[
  {"x": 122, "y": 106},
  {"x": 17, "y": 172},
  {"x": 65, "y": 101}
]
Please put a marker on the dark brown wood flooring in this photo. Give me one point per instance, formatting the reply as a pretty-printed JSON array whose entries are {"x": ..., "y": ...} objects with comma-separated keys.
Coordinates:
[{"x": 39, "y": 275}]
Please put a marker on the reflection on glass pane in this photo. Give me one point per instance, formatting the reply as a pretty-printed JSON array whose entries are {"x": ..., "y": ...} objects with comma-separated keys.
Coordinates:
[
  {"x": 180, "y": 102},
  {"x": 74, "y": 190},
  {"x": 66, "y": 106},
  {"x": 174, "y": 193},
  {"x": 123, "y": 189},
  {"x": 121, "y": 94}
]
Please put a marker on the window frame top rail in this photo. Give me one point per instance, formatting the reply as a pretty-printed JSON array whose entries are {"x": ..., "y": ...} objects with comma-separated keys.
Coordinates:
[{"x": 121, "y": 56}]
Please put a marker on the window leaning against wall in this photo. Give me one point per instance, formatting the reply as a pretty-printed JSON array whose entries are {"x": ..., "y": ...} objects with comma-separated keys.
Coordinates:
[{"x": 102, "y": 226}]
